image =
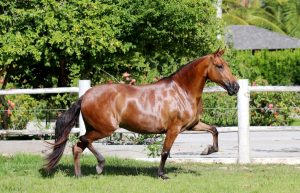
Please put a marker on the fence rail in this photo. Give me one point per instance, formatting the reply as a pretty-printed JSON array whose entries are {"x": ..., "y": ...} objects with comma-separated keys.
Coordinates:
[
  {"x": 274, "y": 88},
  {"x": 40, "y": 90},
  {"x": 243, "y": 109}
]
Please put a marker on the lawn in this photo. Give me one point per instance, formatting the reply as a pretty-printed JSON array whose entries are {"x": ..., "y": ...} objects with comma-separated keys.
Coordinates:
[{"x": 21, "y": 173}]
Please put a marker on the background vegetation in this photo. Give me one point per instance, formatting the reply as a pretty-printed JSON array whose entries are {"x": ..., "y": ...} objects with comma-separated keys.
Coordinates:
[
  {"x": 54, "y": 43},
  {"x": 281, "y": 16}
]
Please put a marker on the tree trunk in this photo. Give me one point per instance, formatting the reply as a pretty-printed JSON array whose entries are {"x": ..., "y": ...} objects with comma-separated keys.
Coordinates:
[{"x": 63, "y": 78}]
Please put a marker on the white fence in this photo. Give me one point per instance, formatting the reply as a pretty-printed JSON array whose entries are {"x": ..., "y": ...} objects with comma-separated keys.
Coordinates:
[
  {"x": 83, "y": 86},
  {"x": 242, "y": 109},
  {"x": 244, "y": 117}
]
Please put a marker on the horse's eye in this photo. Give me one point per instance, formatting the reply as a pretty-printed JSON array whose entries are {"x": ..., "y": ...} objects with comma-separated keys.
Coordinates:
[{"x": 220, "y": 66}]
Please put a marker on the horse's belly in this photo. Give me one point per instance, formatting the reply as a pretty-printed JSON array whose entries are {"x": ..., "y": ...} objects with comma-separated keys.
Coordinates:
[
  {"x": 145, "y": 130},
  {"x": 142, "y": 124}
]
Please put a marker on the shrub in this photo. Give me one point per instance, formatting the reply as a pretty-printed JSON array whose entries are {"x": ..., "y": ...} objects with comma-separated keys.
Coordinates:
[
  {"x": 272, "y": 108},
  {"x": 25, "y": 109},
  {"x": 266, "y": 108},
  {"x": 219, "y": 109},
  {"x": 279, "y": 67}
]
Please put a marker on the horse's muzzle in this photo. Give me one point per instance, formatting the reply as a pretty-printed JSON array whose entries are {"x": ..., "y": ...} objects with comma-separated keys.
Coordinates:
[{"x": 232, "y": 88}]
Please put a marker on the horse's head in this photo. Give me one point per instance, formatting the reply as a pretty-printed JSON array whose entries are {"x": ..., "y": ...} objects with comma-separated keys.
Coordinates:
[{"x": 218, "y": 71}]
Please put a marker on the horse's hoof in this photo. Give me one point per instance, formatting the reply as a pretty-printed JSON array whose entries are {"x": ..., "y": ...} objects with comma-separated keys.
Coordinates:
[
  {"x": 99, "y": 169},
  {"x": 208, "y": 150},
  {"x": 164, "y": 177}
]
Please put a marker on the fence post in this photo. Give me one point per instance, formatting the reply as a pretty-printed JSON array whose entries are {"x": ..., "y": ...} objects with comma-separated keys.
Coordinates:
[
  {"x": 243, "y": 122},
  {"x": 84, "y": 85}
]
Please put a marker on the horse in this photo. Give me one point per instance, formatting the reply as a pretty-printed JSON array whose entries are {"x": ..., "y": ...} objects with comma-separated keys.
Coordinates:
[{"x": 169, "y": 106}]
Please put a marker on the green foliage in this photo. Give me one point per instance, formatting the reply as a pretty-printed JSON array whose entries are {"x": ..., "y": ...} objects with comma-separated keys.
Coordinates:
[
  {"x": 166, "y": 34},
  {"x": 287, "y": 14},
  {"x": 51, "y": 43},
  {"x": 277, "y": 15},
  {"x": 219, "y": 109},
  {"x": 266, "y": 109},
  {"x": 26, "y": 109},
  {"x": 20, "y": 109},
  {"x": 272, "y": 108},
  {"x": 23, "y": 109},
  {"x": 279, "y": 67},
  {"x": 41, "y": 40},
  {"x": 154, "y": 145},
  {"x": 73, "y": 139}
]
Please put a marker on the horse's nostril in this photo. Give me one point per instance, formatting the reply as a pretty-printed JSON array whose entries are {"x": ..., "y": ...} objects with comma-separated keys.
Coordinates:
[
  {"x": 232, "y": 87},
  {"x": 236, "y": 87}
]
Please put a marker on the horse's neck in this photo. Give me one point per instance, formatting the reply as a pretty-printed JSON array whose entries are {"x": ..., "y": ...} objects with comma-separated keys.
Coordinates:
[{"x": 191, "y": 78}]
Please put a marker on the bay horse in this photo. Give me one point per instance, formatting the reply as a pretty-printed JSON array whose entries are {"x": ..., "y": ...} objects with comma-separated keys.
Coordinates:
[{"x": 170, "y": 106}]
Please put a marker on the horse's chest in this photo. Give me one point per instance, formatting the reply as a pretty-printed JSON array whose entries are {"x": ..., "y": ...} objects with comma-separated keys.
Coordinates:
[
  {"x": 190, "y": 121},
  {"x": 192, "y": 117}
]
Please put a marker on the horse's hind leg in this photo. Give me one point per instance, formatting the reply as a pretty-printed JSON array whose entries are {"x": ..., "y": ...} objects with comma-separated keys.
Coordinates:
[
  {"x": 89, "y": 138},
  {"x": 77, "y": 151},
  {"x": 213, "y": 130}
]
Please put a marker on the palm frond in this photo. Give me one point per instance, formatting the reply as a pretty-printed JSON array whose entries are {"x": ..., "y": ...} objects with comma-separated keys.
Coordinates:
[
  {"x": 231, "y": 19},
  {"x": 264, "y": 23},
  {"x": 291, "y": 17},
  {"x": 266, "y": 15}
]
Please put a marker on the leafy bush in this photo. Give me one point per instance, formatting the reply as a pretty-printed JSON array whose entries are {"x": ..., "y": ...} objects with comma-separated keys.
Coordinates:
[
  {"x": 266, "y": 108},
  {"x": 25, "y": 109},
  {"x": 273, "y": 108},
  {"x": 279, "y": 67},
  {"x": 219, "y": 109},
  {"x": 18, "y": 110}
]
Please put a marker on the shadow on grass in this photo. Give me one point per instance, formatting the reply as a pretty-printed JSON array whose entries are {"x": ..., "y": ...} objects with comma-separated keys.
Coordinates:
[{"x": 112, "y": 170}]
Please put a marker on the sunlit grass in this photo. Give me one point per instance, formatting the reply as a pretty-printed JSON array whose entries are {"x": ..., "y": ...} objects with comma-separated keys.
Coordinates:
[{"x": 21, "y": 173}]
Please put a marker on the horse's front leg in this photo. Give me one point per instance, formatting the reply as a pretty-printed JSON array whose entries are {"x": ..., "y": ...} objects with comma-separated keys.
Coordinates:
[
  {"x": 213, "y": 130},
  {"x": 171, "y": 135}
]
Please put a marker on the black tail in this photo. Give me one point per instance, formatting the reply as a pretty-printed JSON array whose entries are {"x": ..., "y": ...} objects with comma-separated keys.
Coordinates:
[{"x": 63, "y": 127}]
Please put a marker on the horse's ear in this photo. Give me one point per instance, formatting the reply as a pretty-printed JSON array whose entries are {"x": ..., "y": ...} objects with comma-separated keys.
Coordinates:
[
  {"x": 219, "y": 52},
  {"x": 216, "y": 53}
]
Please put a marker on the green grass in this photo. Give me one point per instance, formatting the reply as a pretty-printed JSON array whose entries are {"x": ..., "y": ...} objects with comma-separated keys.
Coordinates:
[
  {"x": 21, "y": 173},
  {"x": 296, "y": 122}
]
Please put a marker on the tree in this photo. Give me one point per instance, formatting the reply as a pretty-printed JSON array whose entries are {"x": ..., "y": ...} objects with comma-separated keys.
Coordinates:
[
  {"x": 46, "y": 43},
  {"x": 250, "y": 13},
  {"x": 41, "y": 40},
  {"x": 280, "y": 15},
  {"x": 291, "y": 17}
]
